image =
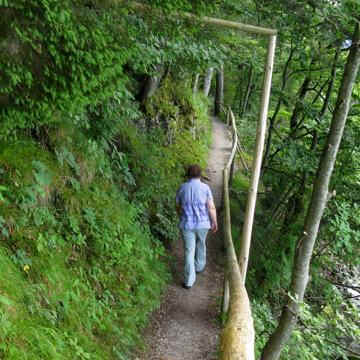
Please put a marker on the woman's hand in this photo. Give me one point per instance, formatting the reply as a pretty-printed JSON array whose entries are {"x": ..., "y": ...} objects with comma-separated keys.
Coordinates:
[
  {"x": 212, "y": 214},
  {"x": 214, "y": 227}
]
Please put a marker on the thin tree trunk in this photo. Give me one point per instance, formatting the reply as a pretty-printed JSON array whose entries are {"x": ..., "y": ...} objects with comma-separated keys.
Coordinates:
[
  {"x": 239, "y": 91},
  {"x": 330, "y": 86},
  {"x": 296, "y": 204},
  {"x": 235, "y": 103},
  {"x": 294, "y": 123},
  {"x": 151, "y": 84},
  {"x": 299, "y": 105},
  {"x": 283, "y": 199},
  {"x": 219, "y": 98},
  {"x": 248, "y": 90},
  {"x": 196, "y": 83},
  {"x": 300, "y": 275},
  {"x": 207, "y": 81},
  {"x": 276, "y": 111}
]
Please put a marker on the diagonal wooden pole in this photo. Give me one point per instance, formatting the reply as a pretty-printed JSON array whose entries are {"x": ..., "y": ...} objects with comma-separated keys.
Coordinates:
[{"x": 205, "y": 19}]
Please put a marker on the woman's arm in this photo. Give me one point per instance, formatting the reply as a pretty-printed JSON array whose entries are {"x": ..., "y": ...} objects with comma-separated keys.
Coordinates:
[{"x": 213, "y": 217}]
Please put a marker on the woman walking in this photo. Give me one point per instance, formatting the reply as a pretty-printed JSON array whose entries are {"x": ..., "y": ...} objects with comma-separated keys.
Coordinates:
[{"x": 196, "y": 208}]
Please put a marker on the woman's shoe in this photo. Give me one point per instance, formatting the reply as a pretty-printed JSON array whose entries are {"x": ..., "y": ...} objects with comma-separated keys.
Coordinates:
[{"x": 186, "y": 286}]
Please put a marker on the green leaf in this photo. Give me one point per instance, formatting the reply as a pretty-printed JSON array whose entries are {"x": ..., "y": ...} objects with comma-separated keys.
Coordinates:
[{"x": 5, "y": 300}]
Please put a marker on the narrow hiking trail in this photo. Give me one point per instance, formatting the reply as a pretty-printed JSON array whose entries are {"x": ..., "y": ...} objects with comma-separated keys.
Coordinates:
[{"x": 186, "y": 326}]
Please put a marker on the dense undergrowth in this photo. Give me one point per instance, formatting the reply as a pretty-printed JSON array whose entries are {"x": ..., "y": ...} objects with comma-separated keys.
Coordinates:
[
  {"x": 86, "y": 208},
  {"x": 88, "y": 174},
  {"x": 325, "y": 314},
  {"x": 98, "y": 119}
]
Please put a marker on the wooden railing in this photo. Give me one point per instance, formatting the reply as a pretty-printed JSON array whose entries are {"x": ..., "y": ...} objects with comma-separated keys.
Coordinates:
[{"x": 238, "y": 336}]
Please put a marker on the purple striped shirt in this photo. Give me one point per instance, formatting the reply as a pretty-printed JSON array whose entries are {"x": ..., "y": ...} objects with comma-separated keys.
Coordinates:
[{"x": 193, "y": 197}]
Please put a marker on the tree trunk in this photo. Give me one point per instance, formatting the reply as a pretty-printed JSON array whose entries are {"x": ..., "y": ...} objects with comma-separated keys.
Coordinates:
[
  {"x": 196, "y": 83},
  {"x": 295, "y": 205},
  {"x": 330, "y": 86},
  {"x": 236, "y": 106},
  {"x": 248, "y": 91},
  {"x": 284, "y": 80},
  {"x": 219, "y": 98},
  {"x": 207, "y": 81},
  {"x": 316, "y": 208},
  {"x": 151, "y": 84},
  {"x": 299, "y": 105}
]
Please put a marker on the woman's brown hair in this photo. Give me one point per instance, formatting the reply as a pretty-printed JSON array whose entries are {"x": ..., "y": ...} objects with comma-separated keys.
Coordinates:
[{"x": 193, "y": 171}]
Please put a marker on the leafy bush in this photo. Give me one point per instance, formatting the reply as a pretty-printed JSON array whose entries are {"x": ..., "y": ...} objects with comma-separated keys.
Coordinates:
[
  {"x": 82, "y": 262},
  {"x": 75, "y": 52},
  {"x": 81, "y": 218}
]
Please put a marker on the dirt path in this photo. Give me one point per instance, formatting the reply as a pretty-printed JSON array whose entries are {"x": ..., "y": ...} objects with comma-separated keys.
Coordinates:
[{"x": 186, "y": 326}]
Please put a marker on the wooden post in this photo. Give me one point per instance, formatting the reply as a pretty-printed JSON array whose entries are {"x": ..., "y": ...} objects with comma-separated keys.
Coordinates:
[
  {"x": 259, "y": 148},
  {"x": 196, "y": 83},
  {"x": 207, "y": 81},
  {"x": 219, "y": 96},
  {"x": 238, "y": 336},
  {"x": 226, "y": 296},
  {"x": 231, "y": 172}
]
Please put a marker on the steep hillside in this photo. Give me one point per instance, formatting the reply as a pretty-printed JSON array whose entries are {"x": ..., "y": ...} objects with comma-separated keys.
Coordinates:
[{"x": 83, "y": 223}]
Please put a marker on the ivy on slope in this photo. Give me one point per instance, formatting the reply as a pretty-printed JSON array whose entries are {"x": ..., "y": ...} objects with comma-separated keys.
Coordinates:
[
  {"x": 86, "y": 194},
  {"x": 56, "y": 57},
  {"x": 82, "y": 210},
  {"x": 80, "y": 270}
]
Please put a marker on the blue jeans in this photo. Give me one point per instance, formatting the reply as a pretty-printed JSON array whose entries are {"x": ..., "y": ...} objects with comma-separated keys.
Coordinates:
[{"x": 194, "y": 252}]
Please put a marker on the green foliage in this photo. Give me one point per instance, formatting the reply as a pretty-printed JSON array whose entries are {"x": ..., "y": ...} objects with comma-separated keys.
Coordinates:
[
  {"x": 81, "y": 218},
  {"x": 58, "y": 58},
  {"x": 158, "y": 161},
  {"x": 88, "y": 175},
  {"x": 197, "y": 6},
  {"x": 319, "y": 333},
  {"x": 308, "y": 69},
  {"x": 264, "y": 324},
  {"x": 75, "y": 52},
  {"x": 74, "y": 285},
  {"x": 186, "y": 52},
  {"x": 344, "y": 228}
]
